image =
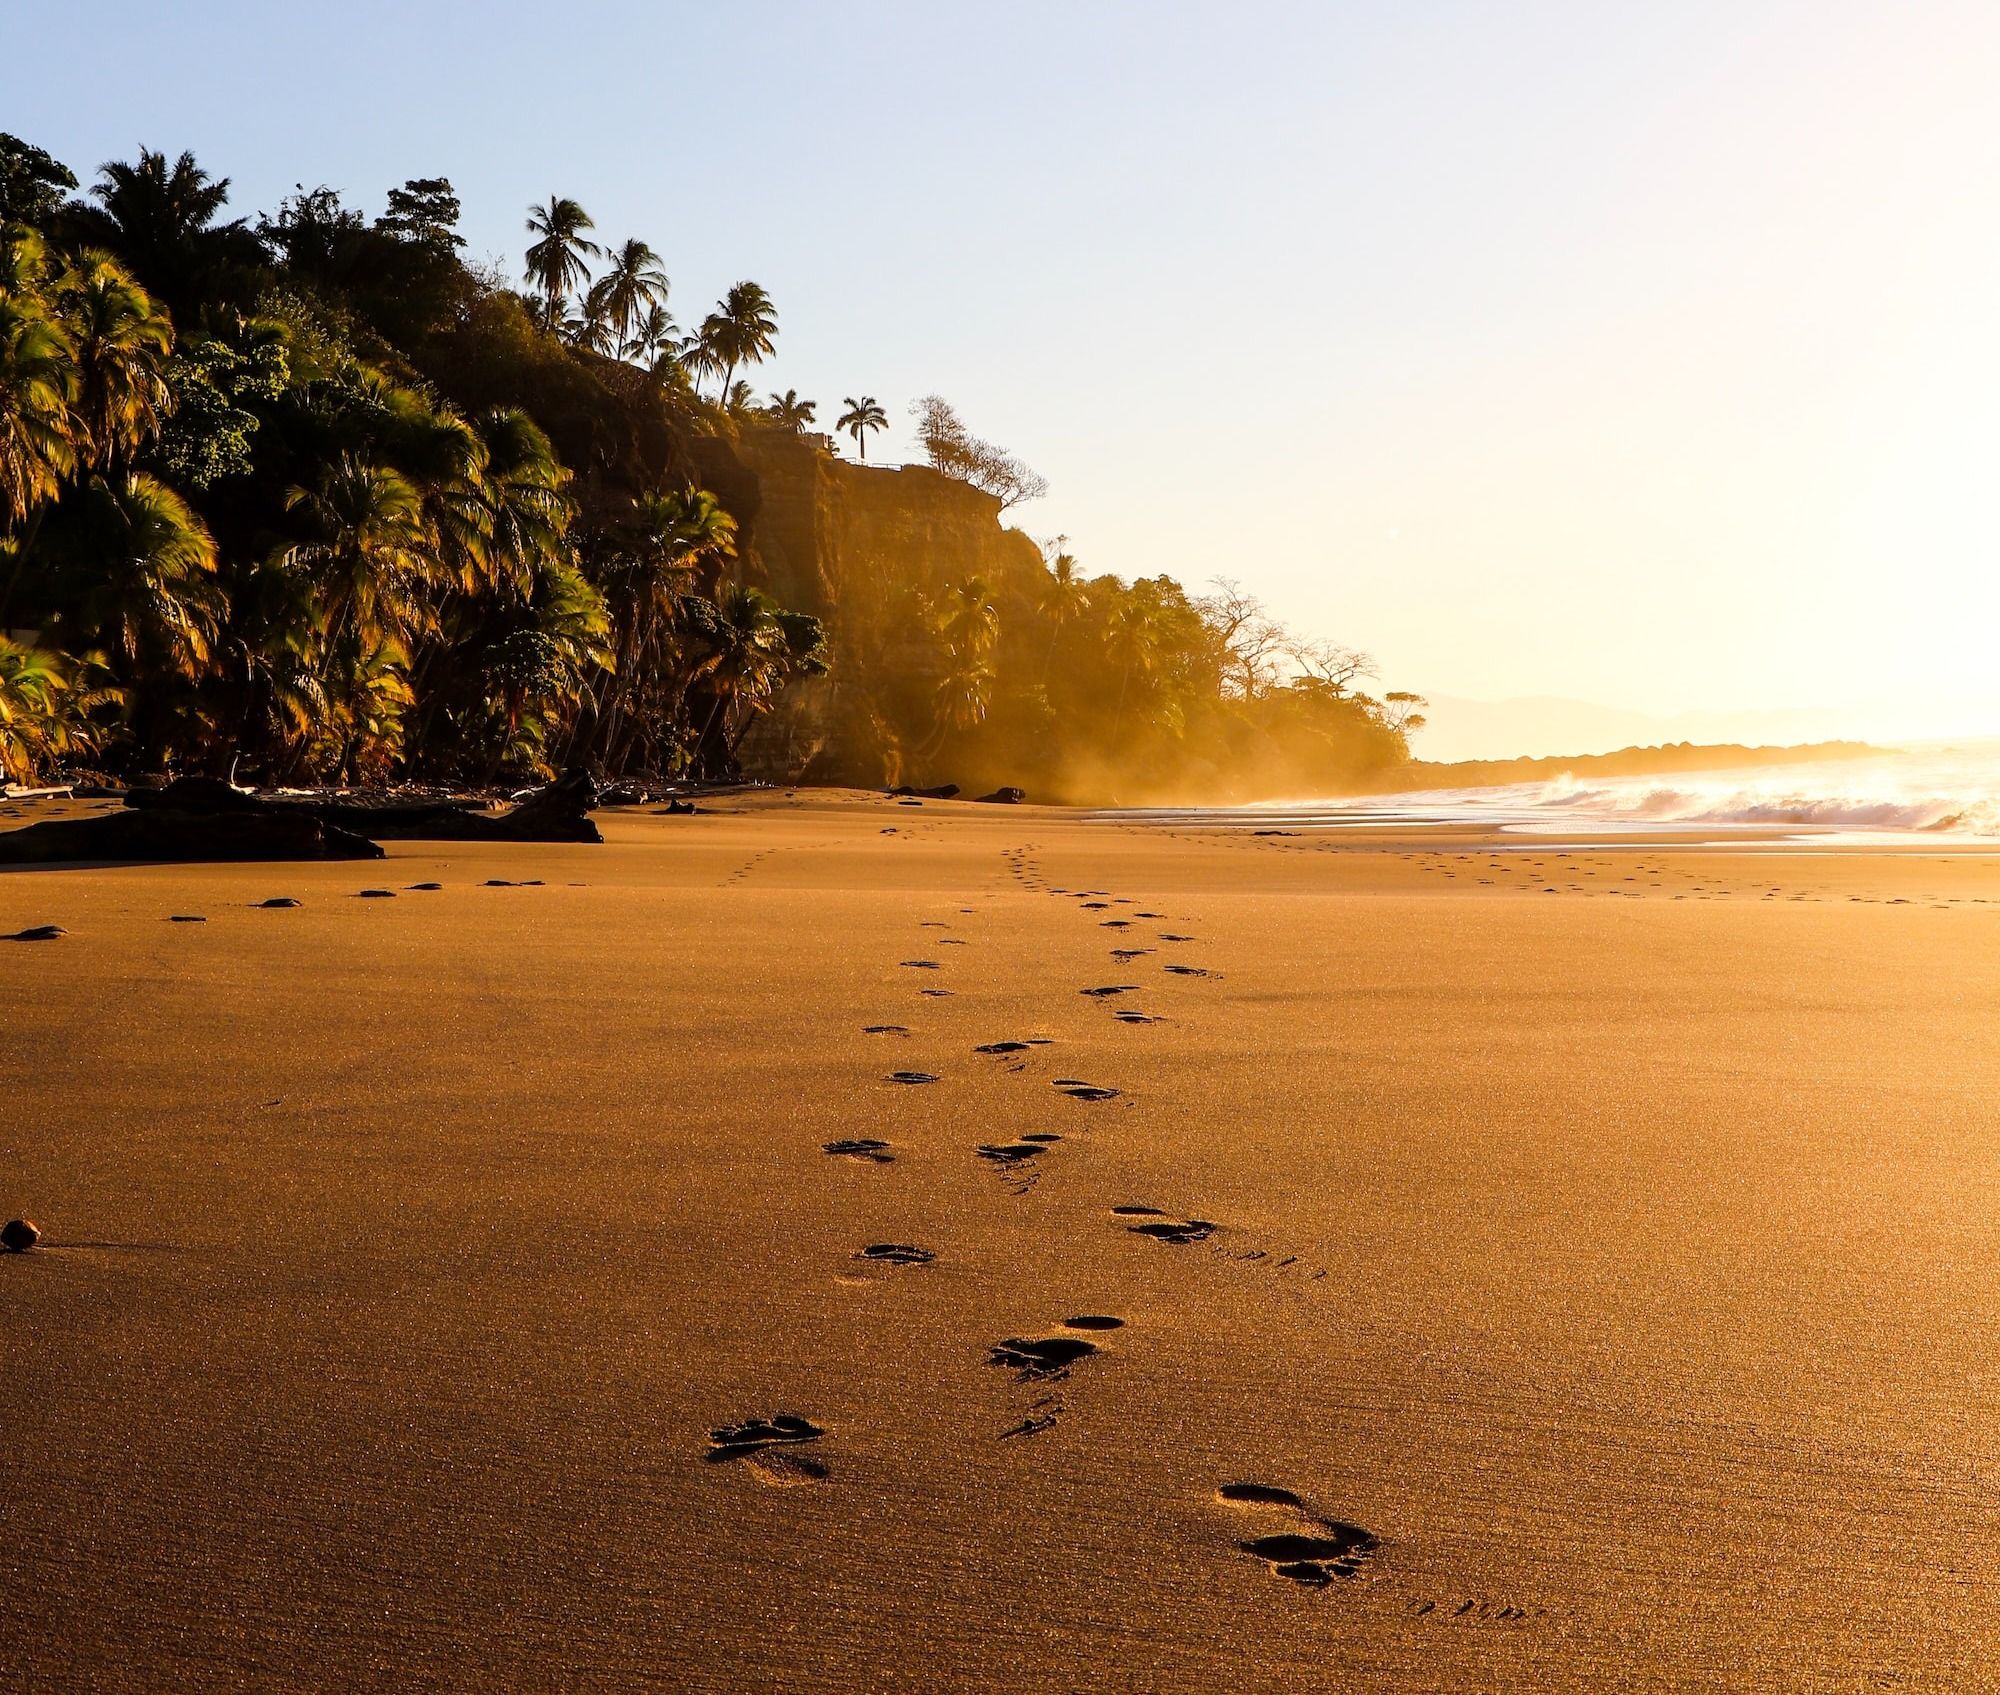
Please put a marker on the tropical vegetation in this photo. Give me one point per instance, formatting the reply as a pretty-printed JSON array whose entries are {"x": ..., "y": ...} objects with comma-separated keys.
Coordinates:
[{"x": 311, "y": 498}]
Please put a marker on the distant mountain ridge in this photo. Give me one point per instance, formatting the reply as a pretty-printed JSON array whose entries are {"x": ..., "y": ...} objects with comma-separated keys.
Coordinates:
[{"x": 1534, "y": 726}]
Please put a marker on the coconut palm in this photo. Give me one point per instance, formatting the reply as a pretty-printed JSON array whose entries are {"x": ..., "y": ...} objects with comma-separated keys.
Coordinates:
[
  {"x": 127, "y": 562},
  {"x": 968, "y": 620},
  {"x": 45, "y": 709},
  {"x": 119, "y": 344},
  {"x": 1062, "y": 599},
  {"x": 369, "y": 549},
  {"x": 654, "y": 337},
  {"x": 790, "y": 411},
  {"x": 160, "y": 220},
  {"x": 632, "y": 286},
  {"x": 558, "y": 259},
  {"x": 742, "y": 330},
  {"x": 862, "y": 416},
  {"x": 38, "y": 433}
]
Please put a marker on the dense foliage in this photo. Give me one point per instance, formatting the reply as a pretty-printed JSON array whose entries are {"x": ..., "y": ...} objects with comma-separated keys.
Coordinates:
[{"x": 315, "y": 500}]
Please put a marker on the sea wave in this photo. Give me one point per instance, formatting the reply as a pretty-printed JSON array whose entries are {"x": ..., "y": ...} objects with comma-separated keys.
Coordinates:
[{"x": 1941, "y": 795}]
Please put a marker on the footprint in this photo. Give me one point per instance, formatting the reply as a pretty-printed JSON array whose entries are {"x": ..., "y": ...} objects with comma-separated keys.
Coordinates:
[
  {"x": 37, "y": 933},
  {"x": 1314, "y": 1557},
  {"x": 896, "y": 1253},
  {"x": 1040, "y": 1359},
  {"x": 429, "y": 888},
  {"x": 1178, "y": 1233},
  {"x": 278, "y": 901},
  {"x": 1167, "y": 938},
  {"x": 1009, "y": 1153},
  {"x": 1078, "y": 1090},
  {"x": 885, "y": 1029},
  {"x": 1112, "y": 989},
  {"x": 376, "y": 894},
  {"x": 1001, "y": 1047},
  {"x": 922, "y": 965},
  {"x": 763, "y": 1446},
  {"x": 1116, "y": 924},
  {"x": 1186, "y": 970},
  {"x": 1123, "y": 954},
  {"x": 861, "y": 1147},
  {"x": 1132, "y": 1017},
  {"x": 912, "y": 1077},
  {"x": 1137, "y": 1212},
  {"x": 936, "y": 994},
  {"x": 187, "y": 918},
  {"x": 1093, "y": 1321}
]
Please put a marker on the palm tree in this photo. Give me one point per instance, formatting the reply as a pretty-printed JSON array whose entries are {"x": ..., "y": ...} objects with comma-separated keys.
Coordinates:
[
  {"x": 742, "y": 330},
  {"x": 968, "y": 620},
  {"x": 860, "y": 417},
  {"x": 120, "y": 342},
  {"x": 38, "y": 433},
  {"x": 44, "y": 709},
  {"x": 632, "y": 286},
  {"x": 126, "y": 561},
  {"x": 1062, "y": 599},
  {"x": 654, "y": 337},
  {"x": 790, "y": 411},
  {"x": 370, "y": 549},
  {"x": 1132, "y": 643},
  {"x": 558, "y": 259},
  {"x": 160, "y": 219}
]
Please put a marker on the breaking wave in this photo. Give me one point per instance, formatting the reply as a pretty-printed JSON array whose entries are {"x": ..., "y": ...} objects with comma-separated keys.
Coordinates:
[{"x": 1939, "y": 794}]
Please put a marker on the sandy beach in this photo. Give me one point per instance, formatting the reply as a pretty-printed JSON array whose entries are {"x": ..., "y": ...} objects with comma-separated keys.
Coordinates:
[{"x": 1537, "y": 1265}]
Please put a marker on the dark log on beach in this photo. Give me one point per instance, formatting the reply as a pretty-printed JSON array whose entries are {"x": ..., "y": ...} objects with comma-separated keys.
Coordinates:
[
  {"x": 1005, "y": 797},
  {"x": 558, "y": 812},
  {"x": 161, "y": 837},
  {"x": 944, "y": 791}
]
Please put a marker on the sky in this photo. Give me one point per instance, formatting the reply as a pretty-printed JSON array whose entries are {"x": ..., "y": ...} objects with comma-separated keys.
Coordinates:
[{"x": 1639, "y": 356}]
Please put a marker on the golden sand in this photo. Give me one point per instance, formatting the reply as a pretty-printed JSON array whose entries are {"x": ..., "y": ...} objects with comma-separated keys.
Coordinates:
[{"x": 1602, "y": 1287}]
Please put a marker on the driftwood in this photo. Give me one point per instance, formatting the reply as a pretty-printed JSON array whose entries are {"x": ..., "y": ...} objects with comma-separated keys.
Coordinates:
[
  {"x": 162, "y": 837},
  {"x": 1009, "y": 796},
  {"x": 944, "y": 791},
  {"x": 560, "y": 812}
]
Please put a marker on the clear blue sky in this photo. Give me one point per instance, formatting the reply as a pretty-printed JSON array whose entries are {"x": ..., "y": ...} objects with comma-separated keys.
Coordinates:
[{"x": 1646, "y": 354}]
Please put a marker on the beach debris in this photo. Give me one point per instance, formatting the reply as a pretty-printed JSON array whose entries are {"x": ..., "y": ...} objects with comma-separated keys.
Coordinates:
[
  {"x": 1008, "y": 796},
  {"x": 18, "y": 1235},
  {"x": 944, "y": 791}
]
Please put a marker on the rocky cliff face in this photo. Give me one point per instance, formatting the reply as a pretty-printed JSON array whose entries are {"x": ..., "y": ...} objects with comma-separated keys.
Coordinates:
[{"x": 850, "y": 543}]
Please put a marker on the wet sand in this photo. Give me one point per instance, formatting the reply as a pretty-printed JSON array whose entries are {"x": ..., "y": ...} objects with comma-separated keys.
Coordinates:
[{"x": 1536, "y": 1267}]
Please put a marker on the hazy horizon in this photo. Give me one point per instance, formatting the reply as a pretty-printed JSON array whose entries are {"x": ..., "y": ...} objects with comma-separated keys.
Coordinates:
[{"x": 1644, "y": 359}]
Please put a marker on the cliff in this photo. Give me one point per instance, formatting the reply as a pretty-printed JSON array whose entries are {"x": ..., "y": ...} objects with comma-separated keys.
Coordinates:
[{"x": 853, "y": 544}]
